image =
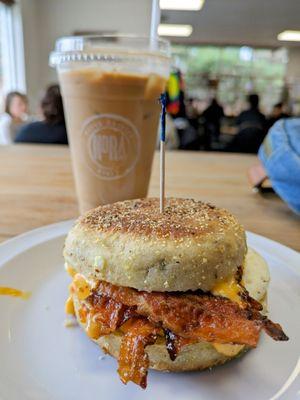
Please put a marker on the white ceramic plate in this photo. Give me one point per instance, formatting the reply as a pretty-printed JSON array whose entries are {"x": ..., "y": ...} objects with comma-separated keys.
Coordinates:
[{"x": 40, "y": 359}]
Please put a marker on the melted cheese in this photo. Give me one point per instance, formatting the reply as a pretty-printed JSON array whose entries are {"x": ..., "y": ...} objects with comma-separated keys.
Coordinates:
[
  {"x": 71, "y": 271},
  {"x": 82, "y": 315},
  {"x": 93, "y": 328},
  {"x": 7, "y": 291},
  {"x": 80, "y": 287},
  {"x": 69, "y": 306},
  {"x": 229, "y": 350},
  {"x": 229, "y": 289}
]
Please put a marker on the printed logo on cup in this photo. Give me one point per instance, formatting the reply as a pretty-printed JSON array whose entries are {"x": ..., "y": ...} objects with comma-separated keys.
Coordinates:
[{"x": 113, "y": 145}]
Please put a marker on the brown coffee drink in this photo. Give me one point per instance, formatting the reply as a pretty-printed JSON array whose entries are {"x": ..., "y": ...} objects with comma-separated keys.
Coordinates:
[{"x": 112, "y": 113}]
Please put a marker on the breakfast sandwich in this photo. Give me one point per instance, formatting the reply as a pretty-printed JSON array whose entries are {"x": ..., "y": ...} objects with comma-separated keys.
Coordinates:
[{"x": 172, "y": 291}]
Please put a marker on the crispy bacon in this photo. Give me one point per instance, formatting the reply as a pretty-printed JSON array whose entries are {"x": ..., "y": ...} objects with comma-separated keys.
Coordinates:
[
  {"x": 239, "y": 274},
  {"x": 184, "y": 319},
  {"x": 133, "y": 360},
  {"x": 110, "y": 314},
  {"x": 205, "y": 317},
  {"x": 274, "y": 330},
  {"x": 248, "y": 301},
  {"x": 175, "y": 343}
]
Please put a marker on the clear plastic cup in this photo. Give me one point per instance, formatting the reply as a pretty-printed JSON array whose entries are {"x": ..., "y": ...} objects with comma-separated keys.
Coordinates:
[{"x": 110, "y": 87}]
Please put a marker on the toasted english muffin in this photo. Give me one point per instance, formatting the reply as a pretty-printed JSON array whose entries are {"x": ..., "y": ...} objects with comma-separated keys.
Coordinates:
[{"x": 192, "y": 245}]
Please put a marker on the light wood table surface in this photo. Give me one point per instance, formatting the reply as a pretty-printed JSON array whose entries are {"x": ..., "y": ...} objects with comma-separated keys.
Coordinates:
[{"x": 36, "y": 188}]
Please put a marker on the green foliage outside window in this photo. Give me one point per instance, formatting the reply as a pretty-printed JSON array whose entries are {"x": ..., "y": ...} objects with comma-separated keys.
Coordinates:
[{"x": 238, "y": 71}]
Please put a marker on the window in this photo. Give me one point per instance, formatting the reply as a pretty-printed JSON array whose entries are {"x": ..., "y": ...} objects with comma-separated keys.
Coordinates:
[
  {"x": 12, "y": 69},
  {"x": 231, "y": 73}
]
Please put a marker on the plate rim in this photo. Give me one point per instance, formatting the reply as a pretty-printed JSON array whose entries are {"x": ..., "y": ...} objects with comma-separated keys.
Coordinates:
[{"x": 15, "y": 245}]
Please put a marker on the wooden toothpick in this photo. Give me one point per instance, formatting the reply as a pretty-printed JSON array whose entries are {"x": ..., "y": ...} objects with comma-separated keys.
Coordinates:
[{"x": 163, "y": 101}]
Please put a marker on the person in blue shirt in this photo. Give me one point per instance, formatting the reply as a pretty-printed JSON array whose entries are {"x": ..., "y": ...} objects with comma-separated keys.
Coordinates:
[
  {"x": 280, "y": 157},
  {"x": 279, "y": 160},
  {"x": 52, "y": 129}
]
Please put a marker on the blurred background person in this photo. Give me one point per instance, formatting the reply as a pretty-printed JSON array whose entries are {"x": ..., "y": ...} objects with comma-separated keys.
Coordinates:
[
  {"x": 251, "y": 128},
  {"x": 192, "y": 113},
  {"x": 14, "y": 117},
  {"x": 276, "y": 114},
  {"x": 212, "y": 116},
  {"x": 52, "y": 128},
  {"x": 188, "y": 127}
]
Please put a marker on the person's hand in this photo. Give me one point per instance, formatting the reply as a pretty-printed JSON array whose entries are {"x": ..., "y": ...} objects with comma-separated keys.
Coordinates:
[{"x": 257, "y": 175}]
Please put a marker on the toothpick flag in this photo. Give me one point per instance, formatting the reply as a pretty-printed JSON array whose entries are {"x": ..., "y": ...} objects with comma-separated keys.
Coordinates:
[{"x": 163, "y": 101}]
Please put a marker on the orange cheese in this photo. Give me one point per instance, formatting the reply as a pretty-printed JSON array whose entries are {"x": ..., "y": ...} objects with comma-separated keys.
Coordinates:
[
  {"x": 229, "y": 350},
  {"x": 71, "y": 271},
  {"x": 8, "y": 291},
  {"x": 80, "y": 287},
  {"x": 229, "y": 289},
  {"x": 69, "y": 306},
  {"x": 82, "y": 314},
  {"x": 93, "y": 328}
]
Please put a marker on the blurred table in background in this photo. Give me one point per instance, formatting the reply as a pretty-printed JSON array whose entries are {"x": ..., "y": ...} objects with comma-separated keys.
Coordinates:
[{"x": 36, "y": 188}]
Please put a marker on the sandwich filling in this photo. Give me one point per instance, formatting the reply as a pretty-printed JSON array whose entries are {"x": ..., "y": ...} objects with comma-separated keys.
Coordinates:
[{"x": 178, "y": 318}]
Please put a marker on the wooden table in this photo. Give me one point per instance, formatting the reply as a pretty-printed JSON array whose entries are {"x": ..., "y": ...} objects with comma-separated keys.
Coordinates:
[{"x": 36, "y": 188}]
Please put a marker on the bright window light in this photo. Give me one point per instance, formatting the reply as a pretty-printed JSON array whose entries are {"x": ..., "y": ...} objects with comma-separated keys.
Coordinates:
[
  {"x": 289, "y": 36},
  {"x": 174, "y": 30},
  {"x": 181, "y": 4}
]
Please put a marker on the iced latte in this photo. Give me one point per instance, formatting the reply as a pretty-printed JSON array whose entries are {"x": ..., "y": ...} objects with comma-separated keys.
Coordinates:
[{"x": 111, "y": 105}]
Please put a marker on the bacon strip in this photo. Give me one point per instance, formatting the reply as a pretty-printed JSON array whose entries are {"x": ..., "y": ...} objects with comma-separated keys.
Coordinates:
[
  {"x": 109, "y": 314},
  {"x": 274, "y": 330},
  {"x": 204, "y": 317},
  {"x": 197, "y": 317},
  {"x": 133, "y": 360},
  {"x": 248, "y": 301},
  {"x": 175, "y": 343},
  {"x": 185, "y": 319}
]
